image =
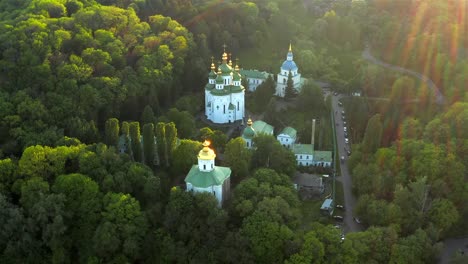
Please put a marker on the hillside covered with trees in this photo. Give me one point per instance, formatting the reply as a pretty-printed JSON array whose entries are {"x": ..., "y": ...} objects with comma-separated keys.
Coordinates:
[{"x": 87, "y": 85}]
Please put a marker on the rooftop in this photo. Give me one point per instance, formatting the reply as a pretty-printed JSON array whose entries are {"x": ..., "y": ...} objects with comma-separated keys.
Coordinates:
[
  {"x": 325, "y": 156},
  {"x": 261, "y": 127},
  {"x": 290, "y": 132},
  {"x": 254, "y": 74},
  {"x": 304, "y": 149},
  {"x": 204, "y": 179}
]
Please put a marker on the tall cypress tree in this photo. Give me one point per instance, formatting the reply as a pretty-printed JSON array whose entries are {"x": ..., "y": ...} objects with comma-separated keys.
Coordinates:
[
  {"x": 135, "y": 138},
  {"x": 171, "y": 139},
  {"x": 160, "y": 132},
  {"x": 148, "y": 144},
  {"x": 112, "y": 132},
  {"x": 148, "y": 115}
]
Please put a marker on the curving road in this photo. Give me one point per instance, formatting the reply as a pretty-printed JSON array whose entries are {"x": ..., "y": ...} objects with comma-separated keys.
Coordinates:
[{"x": 439, "y": 97}]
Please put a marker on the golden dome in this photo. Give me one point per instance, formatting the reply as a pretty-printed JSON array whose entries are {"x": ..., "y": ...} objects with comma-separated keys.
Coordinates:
[
  {"x": 224, "y": 57},
  {"x": 249, "y": 122},
  {"x": 206, "y": 153}
]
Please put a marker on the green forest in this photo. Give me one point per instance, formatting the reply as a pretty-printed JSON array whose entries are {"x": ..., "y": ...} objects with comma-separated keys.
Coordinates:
[{"x": 86, "y": 86}]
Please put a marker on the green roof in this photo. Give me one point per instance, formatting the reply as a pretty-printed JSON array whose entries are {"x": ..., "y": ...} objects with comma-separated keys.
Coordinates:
[
  {"x": 290, "y": 132},
  {"x": 261, "y": 127},
  {"x": 304, "y": 149},
  {"x": 236, "y": 76},
  {"x": 249, "y": 132},
  {"x": 209, "y": 86},
  {"x": 219, "y": 79},
  {"x": 212, "y": 74},
  {"x": 254, "y": 74},
  {"x": 227, "y": 90},
  {"x": 225, "y": 68},
  {"x": 325, "y": 156},
  {"x": 231, "y": 107},
  {"x": 204, "y": 179}
]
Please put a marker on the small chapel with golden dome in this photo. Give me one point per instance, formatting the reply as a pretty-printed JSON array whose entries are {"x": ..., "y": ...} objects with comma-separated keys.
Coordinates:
[{"x": 207, "y": 177}]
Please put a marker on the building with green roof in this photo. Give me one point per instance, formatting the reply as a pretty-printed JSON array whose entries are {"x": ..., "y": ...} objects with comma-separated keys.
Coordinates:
[
  {"x": 206, "y": 177},
  {"x": 307, "y": 156},
  {"x": 261, "y": 127},
  {"x": 254, "y": 129},
  {"x": 287, "y": 137},
  {"x": 254, "y": 78}
]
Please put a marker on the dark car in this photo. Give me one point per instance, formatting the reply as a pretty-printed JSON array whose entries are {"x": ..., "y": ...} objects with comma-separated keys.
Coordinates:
[
  {"x": 340, "y": 103},
  {"x": 338, "y": 217},
  {"x": 346, "y": 134},
  {"x": 348, "y": 152},
  {"x": 335, "y": 93}
]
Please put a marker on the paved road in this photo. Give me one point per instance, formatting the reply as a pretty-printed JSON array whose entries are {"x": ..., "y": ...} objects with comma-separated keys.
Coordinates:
[
  {"x": 350, "y": 201},
  {"x": 439, "y": 97},
  {"x": 451, "y": 246}
]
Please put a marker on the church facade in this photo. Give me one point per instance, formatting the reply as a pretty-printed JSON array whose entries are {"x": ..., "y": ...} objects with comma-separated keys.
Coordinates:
[
  {"x": 288, "y": 66},
  {"x": 224, "y": 93}
]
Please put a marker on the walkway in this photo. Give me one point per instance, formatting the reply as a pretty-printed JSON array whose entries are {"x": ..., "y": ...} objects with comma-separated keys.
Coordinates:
[{"x": 368, "y": 56}]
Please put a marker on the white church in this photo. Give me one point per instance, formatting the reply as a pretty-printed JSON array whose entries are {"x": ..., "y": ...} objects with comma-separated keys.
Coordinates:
[
  {"x": 224, "y": 94},
  {"x": 288, "y": 66},
  {"x": 207, "y": 177}
]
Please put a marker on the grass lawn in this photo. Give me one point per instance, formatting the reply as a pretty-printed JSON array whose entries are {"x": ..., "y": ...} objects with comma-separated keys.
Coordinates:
[{"x": 311, "y": 213}]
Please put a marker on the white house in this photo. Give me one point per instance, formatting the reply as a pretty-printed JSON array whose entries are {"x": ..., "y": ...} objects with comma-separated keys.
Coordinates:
[
  {"x": 304, "y": 154},
  {"x": 254, "y": 78},
  {"x": 207, "y": 177},
  {"x": 287, "y": 137},
  {"x": 307, "y": 156},
  {"x": 224, "y": 94},
  {"x": 288, "y": 66}
]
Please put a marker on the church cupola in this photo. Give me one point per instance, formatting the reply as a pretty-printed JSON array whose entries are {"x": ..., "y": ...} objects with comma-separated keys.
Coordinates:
[
  {"x": 212, "y": 74},
  {"x": 236, "y": 77},
  {"x": 289, "y": 57},
  {"x": 206, "y": 158},
  {"x": 219, "y": 81}
]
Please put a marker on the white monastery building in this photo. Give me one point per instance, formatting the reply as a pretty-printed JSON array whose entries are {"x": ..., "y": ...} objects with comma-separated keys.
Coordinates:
[
  {"x": 224, "y": 94},
  {"x": 207, "y": 177}
]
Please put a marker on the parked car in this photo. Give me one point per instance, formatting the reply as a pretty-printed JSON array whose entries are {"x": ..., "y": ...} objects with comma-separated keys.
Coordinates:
[
  {"x": 342, "y": 238},
  {"x": 348, "y": 152},
  {"x": 357, "y": 220},
  {"x": 335, "y": 93},
  {"x": 345, "y": 129},
  {"x": 340, "y": 103},
  {"x": 340, "y": 206},
  {"x": 344, "y": 123},
  {"x": 342, "y": 159},
  {"x": 338, "y": 217},
  {"x": 342, "y": 112},
  {"x": 346, "y": 141}
]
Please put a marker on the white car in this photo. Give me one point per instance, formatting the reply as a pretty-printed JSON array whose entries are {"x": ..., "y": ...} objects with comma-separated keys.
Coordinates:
[
  {"x": 346, "y": 140},
  {"x": 345, "y": 129}
]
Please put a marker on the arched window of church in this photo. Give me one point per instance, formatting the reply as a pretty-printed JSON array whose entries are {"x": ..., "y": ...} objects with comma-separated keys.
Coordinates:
[
  {"x": 224, "y": 109},
  {"x": 238, "y": 106},
  {"x": 204, "y": 167},
  {"x": 284, "y": 81}
]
